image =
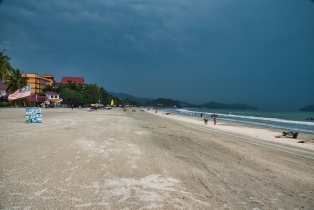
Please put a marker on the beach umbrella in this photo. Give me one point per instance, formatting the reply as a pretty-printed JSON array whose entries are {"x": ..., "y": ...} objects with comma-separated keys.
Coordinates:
[{"x": 111, "y": 104}]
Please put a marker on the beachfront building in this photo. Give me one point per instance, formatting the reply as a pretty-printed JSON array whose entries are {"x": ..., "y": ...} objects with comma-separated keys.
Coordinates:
[
  {"x": 3, "y": 89},
  {"x": 52, "y": 97},
  {"x": 38, "y": 82},
  {"x": 39, "y": 100},
  {"x": 66, "y": 80}
]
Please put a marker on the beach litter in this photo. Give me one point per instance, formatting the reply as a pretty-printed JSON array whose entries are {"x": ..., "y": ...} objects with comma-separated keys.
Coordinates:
[{"x": 289, "y": 134}]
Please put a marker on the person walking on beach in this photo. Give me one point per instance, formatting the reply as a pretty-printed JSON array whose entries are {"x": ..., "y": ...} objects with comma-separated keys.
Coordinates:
[
  {"x": 72, "y": 106},
  {"x": 205, "y": 120},
  {"x": 201, "y": 114},
  {"x": 215, "y": 120}
]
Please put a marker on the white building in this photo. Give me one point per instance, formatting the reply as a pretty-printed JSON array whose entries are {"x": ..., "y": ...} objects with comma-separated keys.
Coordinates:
[{"x": 52, "y": 97}]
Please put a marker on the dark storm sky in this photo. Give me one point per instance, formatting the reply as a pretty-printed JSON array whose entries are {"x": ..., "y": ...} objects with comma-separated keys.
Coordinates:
[{"x": 256, "y": 52}]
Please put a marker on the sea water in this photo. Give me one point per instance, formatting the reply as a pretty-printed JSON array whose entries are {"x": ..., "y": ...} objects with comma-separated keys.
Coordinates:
[{"x": 285, "y": 120}]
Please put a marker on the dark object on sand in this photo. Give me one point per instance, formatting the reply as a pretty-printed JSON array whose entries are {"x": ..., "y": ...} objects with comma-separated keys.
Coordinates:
[
  {"x": 291, "y": 133},
  {"x": 300, "y": 142}
]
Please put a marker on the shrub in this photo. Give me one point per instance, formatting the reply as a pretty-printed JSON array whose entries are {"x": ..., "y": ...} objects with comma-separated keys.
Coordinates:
[{"x": 6, "y": 104}]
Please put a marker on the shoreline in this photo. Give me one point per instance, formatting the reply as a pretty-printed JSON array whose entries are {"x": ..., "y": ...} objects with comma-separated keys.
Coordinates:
[
  {"x": 255, "y": 131},
  {"x": 276, "y": 117}
]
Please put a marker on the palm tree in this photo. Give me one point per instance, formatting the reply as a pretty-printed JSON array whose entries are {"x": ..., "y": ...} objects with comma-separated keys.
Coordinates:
[
  {"x": 15, "y": 80},
  {"x": 5, "y": 66},
  {"x": 104, "y": 95}
]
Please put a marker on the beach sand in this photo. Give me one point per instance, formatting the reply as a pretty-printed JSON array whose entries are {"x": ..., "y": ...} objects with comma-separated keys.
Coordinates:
[
  {"x": 259, "y": 132},
  {"x": 115, "y": 159}
]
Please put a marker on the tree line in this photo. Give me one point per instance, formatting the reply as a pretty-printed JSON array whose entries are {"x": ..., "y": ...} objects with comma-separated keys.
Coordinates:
[
  {"x": 71, "y": 93},
  {"x": 83, "y": 94}
]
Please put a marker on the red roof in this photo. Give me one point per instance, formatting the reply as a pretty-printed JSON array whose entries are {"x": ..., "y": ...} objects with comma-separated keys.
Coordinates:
[
  {"x": 76, "y": 80},
  {"x": 51, "y": 93}
]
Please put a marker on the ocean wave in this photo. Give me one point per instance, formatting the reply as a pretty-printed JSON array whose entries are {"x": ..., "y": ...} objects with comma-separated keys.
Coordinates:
[
  {"x": 268, "y": 119},
  {"x": 286, "y": 124},
  {"x": 227, "y": 116}
]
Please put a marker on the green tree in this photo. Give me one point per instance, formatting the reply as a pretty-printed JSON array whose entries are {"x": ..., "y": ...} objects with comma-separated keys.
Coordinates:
[
  {"x": 41, "y": 94},
  {"x": 105, "y": 97},
  {"x": 48, "y": 88},
  {"x": 91, "y": 93},
  {"x": 15, "y": 80},
  {"x": 83, "y": 94},
  {"x": 72, "y": 96},
  {"x": 5, "y": 66}
]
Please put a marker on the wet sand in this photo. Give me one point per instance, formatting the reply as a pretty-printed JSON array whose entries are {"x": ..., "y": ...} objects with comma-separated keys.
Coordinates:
[{"x": 111, "y": 159}]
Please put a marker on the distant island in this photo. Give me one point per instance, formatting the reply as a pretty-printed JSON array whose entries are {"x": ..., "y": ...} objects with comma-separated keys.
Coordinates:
[
  {"x": 162, "y": 102},
  {"x": 309, "y": 108}
]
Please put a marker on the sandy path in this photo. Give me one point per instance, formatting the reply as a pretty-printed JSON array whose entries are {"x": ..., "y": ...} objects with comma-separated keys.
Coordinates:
[{"x": 136, "y": 160}]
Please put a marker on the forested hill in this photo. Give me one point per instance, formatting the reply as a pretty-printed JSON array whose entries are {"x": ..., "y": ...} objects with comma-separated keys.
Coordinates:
[
  {"x": 163, "y": 102},
  {"x": 215, "y": 105},
  {"x": 186, "y": 104},
  {"x": 309, "y": 108},
  {"x": 127, "y": 96}
]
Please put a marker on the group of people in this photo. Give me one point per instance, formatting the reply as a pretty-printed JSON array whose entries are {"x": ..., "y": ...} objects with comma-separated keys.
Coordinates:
[{"x": 213, "y": 116}]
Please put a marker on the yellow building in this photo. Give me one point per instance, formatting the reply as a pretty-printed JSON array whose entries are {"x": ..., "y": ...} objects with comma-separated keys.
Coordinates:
[{"x": 37, "y": 82}]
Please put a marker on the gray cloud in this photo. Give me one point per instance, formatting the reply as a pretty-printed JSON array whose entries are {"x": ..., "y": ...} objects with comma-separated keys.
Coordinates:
[{"x": 252, "y": 52}]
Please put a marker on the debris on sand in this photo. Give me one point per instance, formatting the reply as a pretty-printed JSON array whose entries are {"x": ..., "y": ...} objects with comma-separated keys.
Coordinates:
[{"x": 291, "y": 133}]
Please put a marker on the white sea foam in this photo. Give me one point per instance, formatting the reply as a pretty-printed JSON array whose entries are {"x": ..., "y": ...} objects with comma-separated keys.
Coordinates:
[
  {"x": 286, "y": 120},
  {"x": 268, "y": 119}
]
